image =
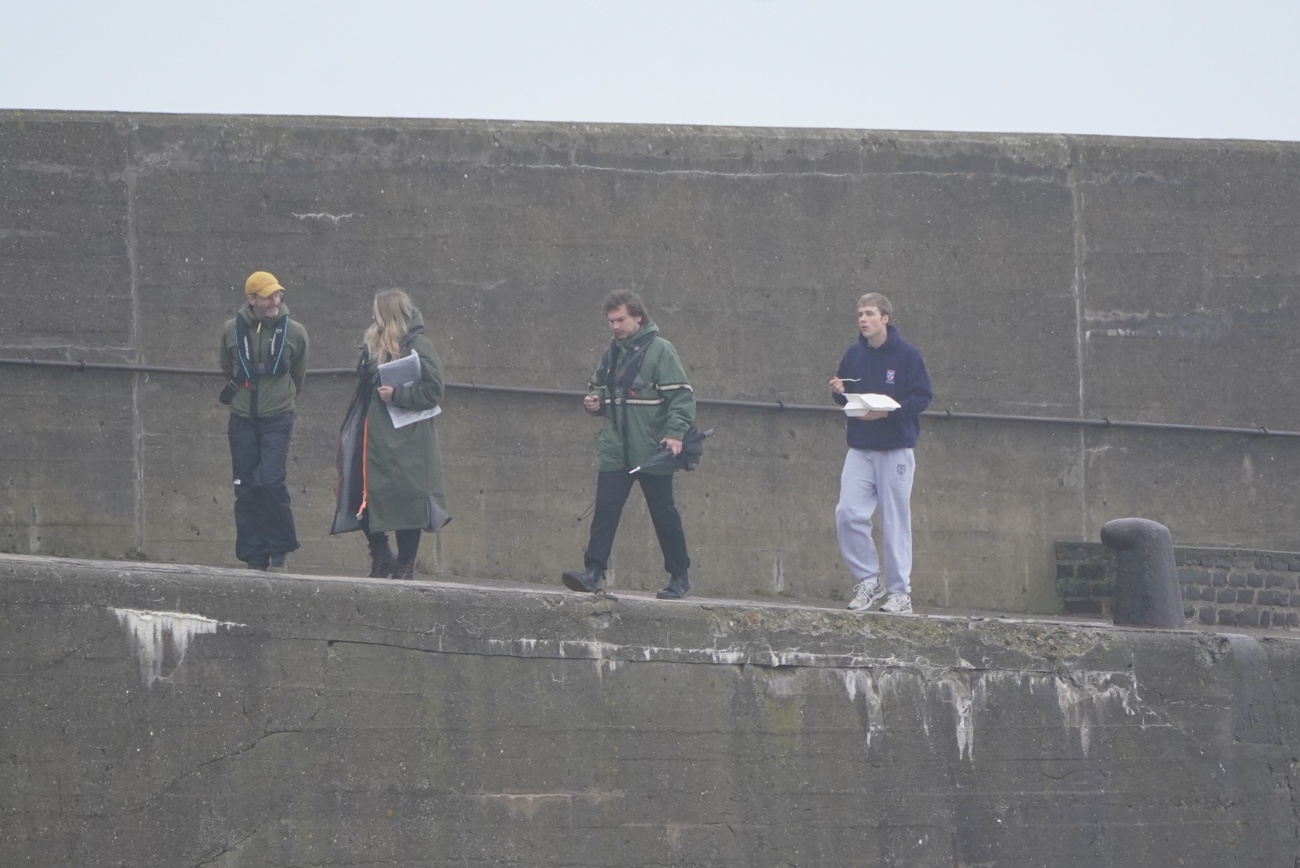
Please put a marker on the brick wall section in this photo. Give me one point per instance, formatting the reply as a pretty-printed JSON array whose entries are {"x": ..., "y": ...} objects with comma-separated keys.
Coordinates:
[{"x": 1235, "y": 587}]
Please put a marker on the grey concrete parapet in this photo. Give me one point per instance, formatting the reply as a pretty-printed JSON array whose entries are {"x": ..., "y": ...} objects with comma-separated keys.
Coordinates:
[{"x": 173, "y": 715}]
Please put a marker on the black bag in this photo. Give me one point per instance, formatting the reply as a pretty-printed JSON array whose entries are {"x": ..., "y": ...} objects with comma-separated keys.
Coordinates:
[{"x": 228, "y": 394}]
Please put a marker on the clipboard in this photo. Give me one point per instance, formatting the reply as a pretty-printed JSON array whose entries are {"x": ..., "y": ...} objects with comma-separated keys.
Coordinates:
[{"x": 404, "y": 372}]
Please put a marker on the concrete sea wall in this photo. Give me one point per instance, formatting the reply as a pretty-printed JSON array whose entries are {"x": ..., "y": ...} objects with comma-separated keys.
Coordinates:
[
  {"x": 161, "y": 715},
  {"x": 1056, "y": 277}
]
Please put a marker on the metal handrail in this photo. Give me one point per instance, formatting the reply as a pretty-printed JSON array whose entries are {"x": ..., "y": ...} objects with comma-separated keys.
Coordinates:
[{"x": 780, "y": 406}]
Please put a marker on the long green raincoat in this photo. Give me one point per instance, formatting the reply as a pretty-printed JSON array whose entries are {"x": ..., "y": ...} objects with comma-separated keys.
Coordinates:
[{"x": 395, "y": 472}]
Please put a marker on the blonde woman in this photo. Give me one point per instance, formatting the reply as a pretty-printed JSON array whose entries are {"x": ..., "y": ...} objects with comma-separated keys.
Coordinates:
[{"x": 390, "y": 478}]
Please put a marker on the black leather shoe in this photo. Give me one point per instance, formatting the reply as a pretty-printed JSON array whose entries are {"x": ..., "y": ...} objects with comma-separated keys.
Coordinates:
[
  {"x": 382, "y": 564},
  {"x": 678, "y": 587},
  {"x": 587, "y": 581}
]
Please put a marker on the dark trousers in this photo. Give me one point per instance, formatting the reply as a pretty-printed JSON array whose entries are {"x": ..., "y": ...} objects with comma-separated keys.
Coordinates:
[
  {"x": 612, "y": 489},
  {"x": 259, "y": 455},
  {"x": 408, "y": 541}
]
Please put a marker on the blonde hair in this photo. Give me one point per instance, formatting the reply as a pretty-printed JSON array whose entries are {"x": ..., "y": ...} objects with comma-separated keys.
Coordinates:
[{"x": 392, "y": 312}]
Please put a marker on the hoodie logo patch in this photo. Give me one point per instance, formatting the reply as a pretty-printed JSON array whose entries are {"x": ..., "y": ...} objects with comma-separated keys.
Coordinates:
[{"x": 889, "y": 376}]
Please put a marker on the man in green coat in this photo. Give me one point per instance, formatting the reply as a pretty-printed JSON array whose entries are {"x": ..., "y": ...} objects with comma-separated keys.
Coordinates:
[
  {"x": 264, "y": 358},
  {"x": 640, "y": 389}
]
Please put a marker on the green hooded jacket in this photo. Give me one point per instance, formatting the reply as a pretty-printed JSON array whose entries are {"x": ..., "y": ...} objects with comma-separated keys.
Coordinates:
[
  {"x": 658, "y": 403},
  {"x": 274, "y": 394}
]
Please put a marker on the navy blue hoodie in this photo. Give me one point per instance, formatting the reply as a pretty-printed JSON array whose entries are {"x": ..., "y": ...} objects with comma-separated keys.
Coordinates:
[{"x": 896, "y": 369}]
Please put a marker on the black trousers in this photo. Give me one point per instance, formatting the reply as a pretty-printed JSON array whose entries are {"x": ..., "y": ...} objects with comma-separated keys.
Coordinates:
[
  {"x": 259, "y": 457},
  {"x": 612, "y": 489},
  {"x": 408, "y": 541}
]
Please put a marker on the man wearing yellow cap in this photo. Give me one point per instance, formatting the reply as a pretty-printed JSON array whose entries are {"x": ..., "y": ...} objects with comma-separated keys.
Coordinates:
[{"x": 264, "y": 358}]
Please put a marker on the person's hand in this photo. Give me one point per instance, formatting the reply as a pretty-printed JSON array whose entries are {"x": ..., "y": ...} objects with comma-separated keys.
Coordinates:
[
  {"x": 837, "y": 385},
  {"x": 674, "y": 446},
  {"x": 591, "y": 402},
  {"x": 386, "y": 394}
]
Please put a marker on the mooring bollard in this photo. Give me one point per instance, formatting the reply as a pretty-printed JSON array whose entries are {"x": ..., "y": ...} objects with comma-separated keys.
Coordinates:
[{"x": 1146, "y": 583}]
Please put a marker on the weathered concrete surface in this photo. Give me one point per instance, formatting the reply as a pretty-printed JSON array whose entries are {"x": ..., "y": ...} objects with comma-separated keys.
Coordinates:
[
  {"x": 183, "y": 716},
  {"x": 1042, "y": 275}
]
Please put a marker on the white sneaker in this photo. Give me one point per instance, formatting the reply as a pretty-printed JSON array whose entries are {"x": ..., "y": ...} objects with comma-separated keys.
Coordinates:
[
  {"x": 898, "y": 604},
  {"x": 868, "y": 594}
]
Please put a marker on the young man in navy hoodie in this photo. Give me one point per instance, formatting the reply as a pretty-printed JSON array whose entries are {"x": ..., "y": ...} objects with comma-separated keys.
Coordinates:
[{"x": 879, "y": 466}]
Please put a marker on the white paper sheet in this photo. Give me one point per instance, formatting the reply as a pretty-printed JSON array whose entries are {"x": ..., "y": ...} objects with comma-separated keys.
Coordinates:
[{"x": 404, "y": 372}]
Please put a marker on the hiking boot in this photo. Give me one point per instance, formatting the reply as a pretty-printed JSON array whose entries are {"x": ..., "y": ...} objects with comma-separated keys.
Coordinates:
[
  {"x": 382, "y": 564},
  {"x": 678, "y": 587},
  {"x": 869, "y": 593},
  {"x": 586, "y": 581},
  {"x": 404, "y": 569},
  {"x": 898, "y": 604}
]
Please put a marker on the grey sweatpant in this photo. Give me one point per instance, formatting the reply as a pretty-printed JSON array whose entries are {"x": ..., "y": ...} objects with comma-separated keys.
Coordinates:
[{"x": 870, "y": 478}]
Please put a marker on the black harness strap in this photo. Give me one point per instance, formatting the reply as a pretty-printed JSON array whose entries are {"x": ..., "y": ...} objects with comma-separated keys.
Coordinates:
[
  {"x": 252, "y": 369},
  {"x": 248, "y": 358},
  {"x": 627, "y": 381}
]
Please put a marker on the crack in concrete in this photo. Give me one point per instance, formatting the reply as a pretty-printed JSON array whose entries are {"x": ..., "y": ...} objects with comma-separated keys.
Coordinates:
[
  {"x": 226, "y": 849},
  {"x": 1081, "y": 695},
  {"x": 251, "y": 746},
  {"x": 163, "y": 790}
]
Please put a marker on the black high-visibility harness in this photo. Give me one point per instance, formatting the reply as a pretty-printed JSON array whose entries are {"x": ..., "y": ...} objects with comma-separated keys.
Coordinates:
[
  {"x": 252, "y": 369},
  {"x": 626, "y": 384}
]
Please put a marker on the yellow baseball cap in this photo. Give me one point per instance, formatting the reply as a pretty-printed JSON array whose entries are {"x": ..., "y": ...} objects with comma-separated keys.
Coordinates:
[{"x": 262, "y": 283}]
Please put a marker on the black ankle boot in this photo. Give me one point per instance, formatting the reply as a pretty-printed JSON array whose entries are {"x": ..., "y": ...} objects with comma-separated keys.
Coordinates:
[
  {"x": 678, "y": 587},
  {"x": 404, "y": 569},
  {"x": 381, "y": 564},
  {"x": 587, "y": 581}
]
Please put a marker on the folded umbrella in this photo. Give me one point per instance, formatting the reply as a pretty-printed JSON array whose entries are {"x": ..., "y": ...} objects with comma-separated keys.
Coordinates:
[{"x": 687, "y": 459}]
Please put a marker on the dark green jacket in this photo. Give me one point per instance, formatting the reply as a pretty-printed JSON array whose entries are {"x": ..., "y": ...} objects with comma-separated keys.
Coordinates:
[
  {"x": 403, "y": 466},
  {"x": 273, "y": 394},
  {"x": 659, "y": 403}
]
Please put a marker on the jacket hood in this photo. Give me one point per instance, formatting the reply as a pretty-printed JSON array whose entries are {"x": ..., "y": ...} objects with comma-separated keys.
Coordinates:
[
  {"x": 891, "y": 334},
  {"x": 416, "y": 322},
  {"x": 413, "y": 331},
  {"x": 649, "y": 328}
]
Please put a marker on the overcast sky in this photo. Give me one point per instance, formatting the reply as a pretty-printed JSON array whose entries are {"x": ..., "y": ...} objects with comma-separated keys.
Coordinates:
[{"x": 1190, "y": 69}]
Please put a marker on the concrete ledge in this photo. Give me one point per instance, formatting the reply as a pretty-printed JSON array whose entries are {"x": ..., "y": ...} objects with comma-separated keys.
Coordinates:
[{"x": 167, "y": 715}]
